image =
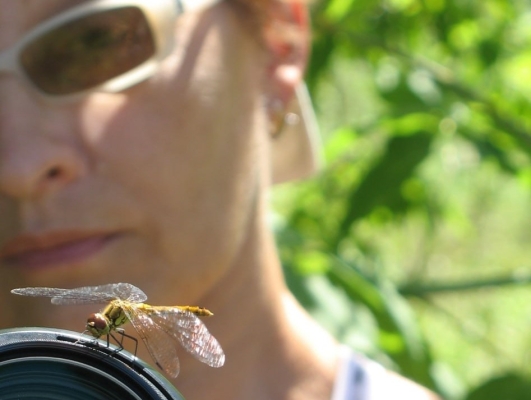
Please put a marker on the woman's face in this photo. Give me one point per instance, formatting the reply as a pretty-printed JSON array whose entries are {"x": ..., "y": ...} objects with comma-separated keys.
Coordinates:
[{"x": 155, "y": 185}]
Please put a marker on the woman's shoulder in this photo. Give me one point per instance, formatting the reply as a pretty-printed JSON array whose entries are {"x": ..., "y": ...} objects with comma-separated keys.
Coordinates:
[{"x": 359, "y": 378}]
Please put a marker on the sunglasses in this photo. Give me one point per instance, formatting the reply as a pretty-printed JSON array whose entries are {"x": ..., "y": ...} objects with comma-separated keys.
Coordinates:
[{"x": 100, "y": 46}]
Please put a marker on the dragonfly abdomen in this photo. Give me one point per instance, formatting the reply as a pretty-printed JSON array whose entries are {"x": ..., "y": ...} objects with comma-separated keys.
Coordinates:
[{"x": 199, "y": 311}]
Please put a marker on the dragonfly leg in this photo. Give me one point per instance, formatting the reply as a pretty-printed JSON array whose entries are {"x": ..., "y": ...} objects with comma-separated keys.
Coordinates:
[{"x": 120, "y": 342}]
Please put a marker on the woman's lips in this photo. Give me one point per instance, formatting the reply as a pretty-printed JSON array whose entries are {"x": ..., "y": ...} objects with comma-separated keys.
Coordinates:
[{"x": 32, "y": 251}]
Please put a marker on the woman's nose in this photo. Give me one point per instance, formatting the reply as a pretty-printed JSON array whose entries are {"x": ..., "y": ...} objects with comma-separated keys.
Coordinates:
[
  {"x": 39, "y": 152},
  {"x": 29, "y": 170}
]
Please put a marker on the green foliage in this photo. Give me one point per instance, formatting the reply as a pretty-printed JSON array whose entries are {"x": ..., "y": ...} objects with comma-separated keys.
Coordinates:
[
  {"x": 508, "y": 387},
  {"x": 423, "y": 204},
  {"x": 382, "y": 184}
]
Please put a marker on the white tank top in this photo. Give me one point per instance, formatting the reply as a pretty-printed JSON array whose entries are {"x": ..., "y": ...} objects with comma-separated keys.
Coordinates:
[{"x": 359, "y": 378}]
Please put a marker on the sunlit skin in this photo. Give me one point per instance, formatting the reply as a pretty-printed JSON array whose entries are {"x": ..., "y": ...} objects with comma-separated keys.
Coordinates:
[{"x": 172, "y": 175}]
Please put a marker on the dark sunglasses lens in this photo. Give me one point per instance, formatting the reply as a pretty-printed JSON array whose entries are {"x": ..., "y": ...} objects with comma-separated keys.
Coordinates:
[{"x": 89, "y": 51}]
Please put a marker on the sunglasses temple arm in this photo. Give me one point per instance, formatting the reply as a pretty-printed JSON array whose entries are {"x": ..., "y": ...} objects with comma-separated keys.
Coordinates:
[{"x": 194, "y": 5}]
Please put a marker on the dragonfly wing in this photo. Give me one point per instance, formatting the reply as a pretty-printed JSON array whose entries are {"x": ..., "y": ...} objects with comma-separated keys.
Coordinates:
[
  {"x": 40, "y": 291},
  {"x": 64, "y": 296},
  {"x": 86, "y": 294},
  {"x": 159, "y": 345},
  {"x": 191, "y": 333},
  {"x": 122, "y": 291}
]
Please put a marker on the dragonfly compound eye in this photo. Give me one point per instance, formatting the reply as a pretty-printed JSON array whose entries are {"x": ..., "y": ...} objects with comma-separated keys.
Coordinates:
[{"x": 97, "y": 325}]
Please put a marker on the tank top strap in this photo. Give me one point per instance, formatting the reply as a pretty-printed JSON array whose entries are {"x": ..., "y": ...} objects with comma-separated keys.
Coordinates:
[{"x": 358, "y": 378}]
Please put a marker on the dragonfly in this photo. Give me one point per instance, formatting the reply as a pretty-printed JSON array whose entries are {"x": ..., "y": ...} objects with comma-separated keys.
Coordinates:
[{"x": 159, "y": 327}]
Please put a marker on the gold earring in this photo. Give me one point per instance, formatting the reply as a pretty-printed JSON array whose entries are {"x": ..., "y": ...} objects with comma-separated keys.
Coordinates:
[{"x": 279, "y": 118}]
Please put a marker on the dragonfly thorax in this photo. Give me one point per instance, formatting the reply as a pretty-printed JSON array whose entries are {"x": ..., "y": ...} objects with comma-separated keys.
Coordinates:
[{"x": 115, "y": 315}]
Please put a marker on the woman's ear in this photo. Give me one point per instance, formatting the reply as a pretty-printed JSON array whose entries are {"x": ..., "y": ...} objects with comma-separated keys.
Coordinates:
[
  {"x": 293, "y": 130},
  {"x": 286, "y": 38}
]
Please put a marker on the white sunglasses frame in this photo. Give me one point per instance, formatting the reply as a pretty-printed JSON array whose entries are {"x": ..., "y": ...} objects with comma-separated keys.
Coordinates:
[{"x": 160, "y": 14}]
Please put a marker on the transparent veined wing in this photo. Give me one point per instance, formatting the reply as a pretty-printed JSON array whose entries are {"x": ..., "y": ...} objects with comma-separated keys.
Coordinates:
[
  {"x": 155, "y": 324},
  {"x": 160, "y": 346},
  {"x": 87, "y": 294},
  {"x": 123, "y": 291},
  {"x": 193, "y": 335}
]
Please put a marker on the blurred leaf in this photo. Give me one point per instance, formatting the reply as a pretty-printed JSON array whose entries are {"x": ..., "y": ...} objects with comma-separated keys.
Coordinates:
[
  {"x": 338, "y": 9},
  {"x": 508, "y": 387},
  {"x": 382, "y": 185},
  {"x": 311, "y": 262}
]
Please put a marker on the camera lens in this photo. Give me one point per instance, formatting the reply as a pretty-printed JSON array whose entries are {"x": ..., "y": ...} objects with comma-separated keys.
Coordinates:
[{"x": 51, "y": 364}]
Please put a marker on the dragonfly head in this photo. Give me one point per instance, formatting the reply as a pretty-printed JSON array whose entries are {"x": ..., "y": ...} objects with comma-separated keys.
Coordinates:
[{"x": 98, "y": 325}]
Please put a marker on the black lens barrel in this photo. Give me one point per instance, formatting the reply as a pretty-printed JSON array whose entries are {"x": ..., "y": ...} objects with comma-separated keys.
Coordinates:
[{"x": 55, "y": 364}]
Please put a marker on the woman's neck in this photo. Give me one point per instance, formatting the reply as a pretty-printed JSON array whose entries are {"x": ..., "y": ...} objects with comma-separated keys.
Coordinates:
[{"x": 273, "y": 349}]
